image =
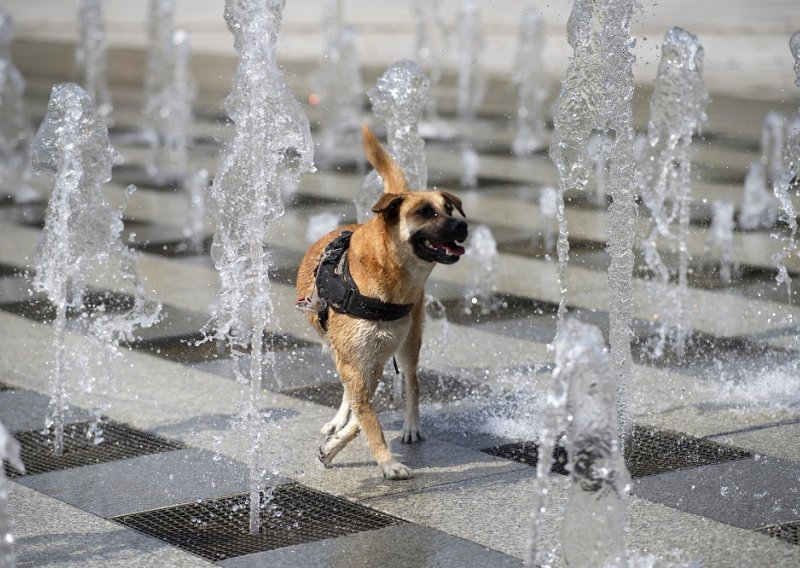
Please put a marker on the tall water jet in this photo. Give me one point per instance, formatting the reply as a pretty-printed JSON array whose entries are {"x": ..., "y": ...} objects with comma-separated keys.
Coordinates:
[
  {"x": 759, "y": 209},
  {"x": 15, "y": 132},
  {"x": 677, "y": 111},
  {"x": 479, "y": 296},
  {"x": 196, "y": 186},
  {"x": 598, "y": 153},
  {"x": 397, "y": 99},
  {"x": 171, "y": 123},
  {"x": 773, "y": 139},
  {"x": 431, "y": 44},
  {"x": 471, "y": 85},
  {"x": 271, "y": 141},
  {"x": 9, "y": 452},
  {"x": 339, "y": 87},
  {"x": 720, "y": 244},
  {"x": 548, "y": 206},
  {"x": 320, "y": 225},
  {"x": 160, "y": 28},
  {"x": 531, "y": 81},
  {"x": 91, "y": 56},
  {"x": 784, "y": 180},
  {"x": 80, "y": 236},
  {"x": 595, "y": 97},
  {"x": 582, "y": 405}
]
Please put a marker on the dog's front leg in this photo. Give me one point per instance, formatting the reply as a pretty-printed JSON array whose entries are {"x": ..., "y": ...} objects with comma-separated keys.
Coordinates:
[
  {"x": 339, "y": 421},
  {"x": 358, "y": 386},
  {"x": 408, "y": 357}
]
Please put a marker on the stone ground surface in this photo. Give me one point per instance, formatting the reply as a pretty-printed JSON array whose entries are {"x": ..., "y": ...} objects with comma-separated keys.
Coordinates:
[{"x": 734, "y": 397}]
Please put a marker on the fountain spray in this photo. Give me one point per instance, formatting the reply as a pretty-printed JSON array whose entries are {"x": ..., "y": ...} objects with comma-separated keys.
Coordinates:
[
  {"x": 271, "y": 141},
  {"x": 397, "y": 99},
  {"x": 431, "y": 43},
  {"x": 15, "y": 133},
  {"x": 80, "y": 236},
  {"x": 677, "y": 111},
  {"x": 595, "y": 98},
  {"x": 9, "y": 452}
]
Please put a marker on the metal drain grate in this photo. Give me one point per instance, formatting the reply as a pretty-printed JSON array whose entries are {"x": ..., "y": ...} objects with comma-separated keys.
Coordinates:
[
  {"x": 528, "y": 453},
  {"x": 789, "y": 532},
  {"x": 433, "y": 387},
  {"x": 194, "y": 348},
  {"x": 651, "y": 451},
  {"x": 218, "y": 529},
  {"x": 120, "y": 441}
]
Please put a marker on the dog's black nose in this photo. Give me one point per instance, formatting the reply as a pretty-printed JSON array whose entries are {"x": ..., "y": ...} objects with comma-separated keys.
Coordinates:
[{"x": 458, "y": 228}]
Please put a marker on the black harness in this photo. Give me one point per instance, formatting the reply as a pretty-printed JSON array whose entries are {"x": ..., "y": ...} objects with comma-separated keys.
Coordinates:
[{"x": 339, "y": 291}]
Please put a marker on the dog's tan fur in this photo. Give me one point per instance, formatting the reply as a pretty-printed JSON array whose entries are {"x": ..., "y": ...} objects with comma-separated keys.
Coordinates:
[{"x": 383, "y": 265}]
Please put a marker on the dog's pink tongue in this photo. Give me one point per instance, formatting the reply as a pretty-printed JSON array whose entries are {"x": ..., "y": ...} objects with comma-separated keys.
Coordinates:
[{"x": 453, "y": 248}]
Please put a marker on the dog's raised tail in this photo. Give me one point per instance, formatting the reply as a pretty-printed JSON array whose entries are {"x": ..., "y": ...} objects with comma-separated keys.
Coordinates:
[{"x": 394, "y": 180}]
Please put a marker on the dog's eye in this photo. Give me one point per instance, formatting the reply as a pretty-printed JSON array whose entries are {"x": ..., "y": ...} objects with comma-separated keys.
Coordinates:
[{"x": 427, "y": 212}]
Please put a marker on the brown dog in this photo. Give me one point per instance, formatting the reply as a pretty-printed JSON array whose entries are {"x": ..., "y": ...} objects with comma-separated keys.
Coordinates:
[{"x": 388, "y": 262}]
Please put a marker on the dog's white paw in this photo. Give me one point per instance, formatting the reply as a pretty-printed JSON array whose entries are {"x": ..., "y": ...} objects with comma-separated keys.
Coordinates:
[
  {"x": 333, "y": 426},
  {"x": 412, "y": 434},
  {"x": 395, "y": 471}
]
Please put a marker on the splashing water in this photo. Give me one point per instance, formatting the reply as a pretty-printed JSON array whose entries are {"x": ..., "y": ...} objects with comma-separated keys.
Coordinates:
[
  {"x": 582, "y": 403},
  {"x": 479, "y": 297},
  {"x": 80, "y": 235},
  {"x": 9, "y": 452},
  {"x": 598, "y": 152},
  {"x": 339, "y": 86},
  {"x": 720, "y": 244},
  {"x": 677, "y": 110},
  {"x": 91, "y": 59},
  {"x": 528, "y": 74},
  {"x": 272, "y": 141},
  {"x": 470, "y": 166},
  {"x": 398, "y": 99},
  {"x": 595, "y": 97},
  {"x": 15, "y": 132},
  {"x": 437, "y": 331},
  {"x": 759, "y": 208},
  {"x": 169, "y": 144}
]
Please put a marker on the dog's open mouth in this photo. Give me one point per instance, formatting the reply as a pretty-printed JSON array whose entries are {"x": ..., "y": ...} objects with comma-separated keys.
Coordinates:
[{"x": 437, "y": 251}]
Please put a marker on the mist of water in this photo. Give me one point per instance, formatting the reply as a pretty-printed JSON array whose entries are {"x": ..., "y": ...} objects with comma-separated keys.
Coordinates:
[{"x": 9, "y": 452}]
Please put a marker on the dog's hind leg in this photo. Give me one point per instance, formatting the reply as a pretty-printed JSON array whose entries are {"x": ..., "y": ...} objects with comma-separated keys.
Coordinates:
[{"x": 408, "y": 357}]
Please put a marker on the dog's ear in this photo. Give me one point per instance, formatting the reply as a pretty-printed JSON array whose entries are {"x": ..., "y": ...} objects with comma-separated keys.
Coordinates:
[
  {"x": 454, "y": 201},
  {"x": 389, "y": 206},
  {"x": 394, "y": 180}
]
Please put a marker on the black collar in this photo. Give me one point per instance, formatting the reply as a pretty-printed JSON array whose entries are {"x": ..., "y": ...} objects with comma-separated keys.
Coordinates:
[{"x": 336, "y": 286}]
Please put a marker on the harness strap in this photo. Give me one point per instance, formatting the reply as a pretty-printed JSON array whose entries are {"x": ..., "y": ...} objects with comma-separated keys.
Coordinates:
[{"x": 336, "y": 286}]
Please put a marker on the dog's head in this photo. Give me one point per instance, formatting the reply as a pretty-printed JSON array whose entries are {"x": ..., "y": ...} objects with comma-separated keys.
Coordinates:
[{"x": 423, "y": 220}]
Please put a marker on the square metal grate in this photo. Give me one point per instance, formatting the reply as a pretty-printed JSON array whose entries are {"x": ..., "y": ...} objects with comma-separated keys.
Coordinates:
[
  {"x": 649, "y": 451},
  {"x": 120, "y": 441},
  {"x": 789, "y": 532},
  {"x": 528, "y": 453},
  {"x": 217, "y": 529}
]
